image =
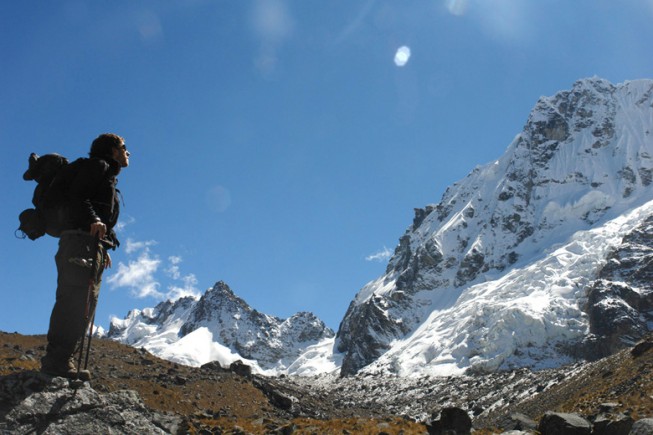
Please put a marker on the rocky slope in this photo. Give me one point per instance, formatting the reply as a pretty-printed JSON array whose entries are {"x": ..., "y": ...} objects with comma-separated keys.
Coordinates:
[
  {"x": 133, "y": 391},
  {"x": 512, "y": 251}
]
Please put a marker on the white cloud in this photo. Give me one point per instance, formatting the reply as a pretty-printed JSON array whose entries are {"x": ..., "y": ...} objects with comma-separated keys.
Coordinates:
[
  {"x": 120, "y": 226},
  {"x": 138, "y": 275},
  {"x": 402, "y": 56},
  {"x": 188, "y": 288},
  {"x": 133, "y": 246},
  {"x": 173, "y": 270},
  {"x": 188, "y": 282},
  {"x": 381, "y": 256}
]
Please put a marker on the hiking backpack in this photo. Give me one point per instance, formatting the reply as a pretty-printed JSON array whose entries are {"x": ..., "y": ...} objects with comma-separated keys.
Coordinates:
[{"x": 36, "y": 222}]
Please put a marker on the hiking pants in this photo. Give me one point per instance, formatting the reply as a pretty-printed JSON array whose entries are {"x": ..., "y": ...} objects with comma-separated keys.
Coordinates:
[{"x": 78, "y": 288}]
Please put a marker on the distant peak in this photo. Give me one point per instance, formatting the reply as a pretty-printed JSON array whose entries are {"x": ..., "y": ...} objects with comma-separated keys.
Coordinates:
[{"x": 222, "y": 287}]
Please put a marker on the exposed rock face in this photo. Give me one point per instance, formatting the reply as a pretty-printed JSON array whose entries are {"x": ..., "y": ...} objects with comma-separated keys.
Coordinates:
[
  {"x": 620, "y": 302},
  {"x": 584, "y": 156},
  {"x": 42, "y": 404},
  {"x": 253, "y": 335}
]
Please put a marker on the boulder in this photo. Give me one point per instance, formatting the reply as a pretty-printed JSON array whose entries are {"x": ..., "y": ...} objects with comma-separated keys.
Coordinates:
[
  {"x": 642, "y": 427},
  {"x": 36, "y": 403},
  {"x": 612, "y": 425},
  {"x": 451, "y": 421},
  {"x": 556, "y": 423}
]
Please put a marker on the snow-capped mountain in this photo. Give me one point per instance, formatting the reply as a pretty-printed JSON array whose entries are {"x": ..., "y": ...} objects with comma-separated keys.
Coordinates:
[
  {"x": 222, "y": 327},
  {"x": 532, "y": 260},
  {"x": 542, "y": 257}
]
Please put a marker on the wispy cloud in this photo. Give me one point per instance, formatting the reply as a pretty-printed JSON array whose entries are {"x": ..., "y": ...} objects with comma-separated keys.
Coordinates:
[
  {"x": 188, "y": 282},
  {"x": 122, "y": 223},
  {"x": 381, "y": 256},
  {"x": 140, "y": 275},
  {"x": 134, "y": 246}
]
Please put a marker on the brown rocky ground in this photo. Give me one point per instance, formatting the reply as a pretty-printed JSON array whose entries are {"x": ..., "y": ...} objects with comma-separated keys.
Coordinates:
[
  {"x": 216, "y": 400},
  {"x": 213, "y": 400}
]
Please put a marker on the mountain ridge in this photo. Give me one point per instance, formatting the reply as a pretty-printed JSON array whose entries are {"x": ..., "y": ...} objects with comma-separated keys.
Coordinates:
[
  {"x": 219, "y": 326},
  {"x": 583, "y": 157},
  {"x": 522, "y": 263}
]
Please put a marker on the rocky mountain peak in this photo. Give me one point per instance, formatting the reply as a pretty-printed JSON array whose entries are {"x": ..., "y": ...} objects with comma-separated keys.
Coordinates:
[
  {"x": 224, "y": 326},
  {"x": 583, "y": 157},
  {"x": 216, "y": 303}
]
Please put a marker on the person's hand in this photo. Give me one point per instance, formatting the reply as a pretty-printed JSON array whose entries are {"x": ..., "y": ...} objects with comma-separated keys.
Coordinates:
[
  {"x": 99, "y": 230},
  {"x": 107, "y": 264}
]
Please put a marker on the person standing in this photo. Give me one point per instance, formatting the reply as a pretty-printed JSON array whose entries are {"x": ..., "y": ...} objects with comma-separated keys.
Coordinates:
[{"x": 90, "y": 210}]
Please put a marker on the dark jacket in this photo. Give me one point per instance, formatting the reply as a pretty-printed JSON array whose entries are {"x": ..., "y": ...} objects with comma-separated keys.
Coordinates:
[{"x": 87, "y": 188}]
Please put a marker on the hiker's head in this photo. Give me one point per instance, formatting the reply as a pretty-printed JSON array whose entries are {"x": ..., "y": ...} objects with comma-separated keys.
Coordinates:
[
  {"x": 109, "y": 145},
  {"x": 104, "y": 145}
]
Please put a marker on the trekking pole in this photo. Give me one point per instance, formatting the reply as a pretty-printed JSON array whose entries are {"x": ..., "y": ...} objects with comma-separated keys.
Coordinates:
[
  {"x": 91, "y": 284},
  {"x": 88, "y": 346}
]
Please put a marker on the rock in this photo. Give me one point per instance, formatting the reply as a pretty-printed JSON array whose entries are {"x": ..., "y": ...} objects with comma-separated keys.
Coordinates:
[
  {"x": 608, "y": 406},
  {"x": 642, "y": 427},
  {"x": 214, "y": 366},
  {"x": 276, "y": 397},
  {"x": 522, "y": 422},
  {"x": 612, "y": 425},
  {"x": 555, "y": 423},
  {"x": 451, "y": 420},
  {"x": 240, "y": 368},
  {"x": 58, "y": 408},
  {"x": 642, "y": 347},
  {"x": 619, "y": 302}
]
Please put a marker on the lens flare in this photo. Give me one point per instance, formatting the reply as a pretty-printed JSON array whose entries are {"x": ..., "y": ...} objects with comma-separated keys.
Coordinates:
[{"x": 402, "y": 56}]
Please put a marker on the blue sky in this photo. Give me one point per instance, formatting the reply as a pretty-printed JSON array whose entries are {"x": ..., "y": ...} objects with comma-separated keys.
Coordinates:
[{"x": 277, "y": 145}]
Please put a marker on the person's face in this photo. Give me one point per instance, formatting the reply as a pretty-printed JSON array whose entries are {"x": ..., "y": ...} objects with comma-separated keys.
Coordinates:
[{"x": 121, "y": 155}]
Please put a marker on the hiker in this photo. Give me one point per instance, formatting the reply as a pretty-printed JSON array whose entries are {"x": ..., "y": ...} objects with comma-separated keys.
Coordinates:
[{"x": 87, "y": 190}]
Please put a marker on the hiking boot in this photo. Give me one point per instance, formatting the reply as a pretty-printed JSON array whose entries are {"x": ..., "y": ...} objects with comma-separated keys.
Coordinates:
[{"x": 64, "y": 369}]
